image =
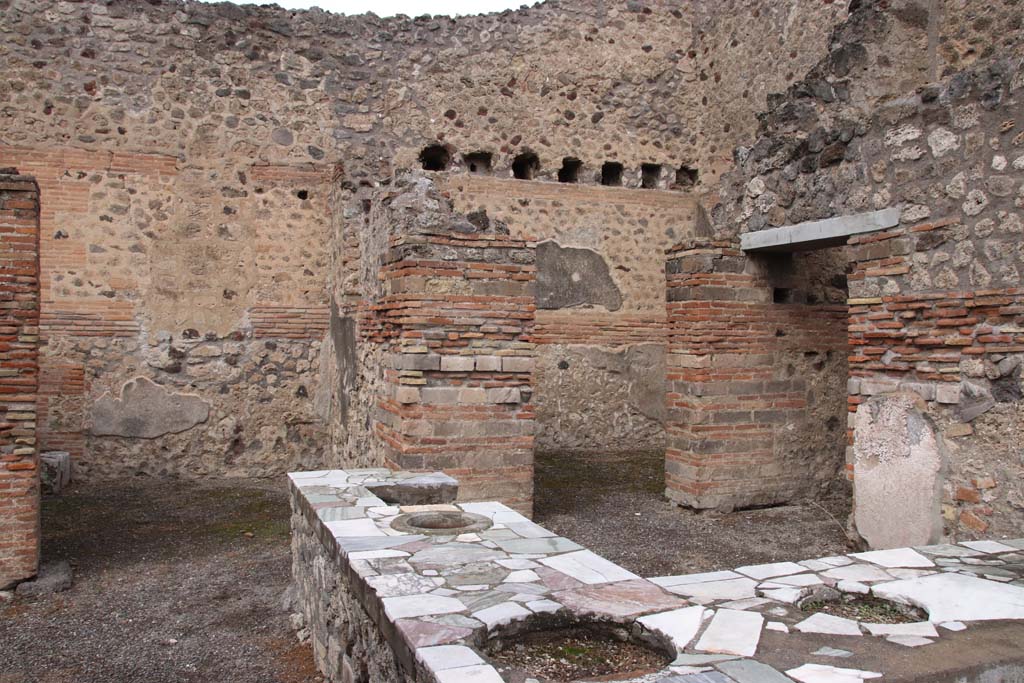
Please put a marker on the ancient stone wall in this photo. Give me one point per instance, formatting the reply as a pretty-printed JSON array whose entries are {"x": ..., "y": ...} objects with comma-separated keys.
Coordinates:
[
  {"x": 19, "y": 376},
  {"x": 194, "y": 214},
  {"x": 934, "y": 301},
  {"x": 600, "y": 321},
  {"x": 438, "y": 352}
]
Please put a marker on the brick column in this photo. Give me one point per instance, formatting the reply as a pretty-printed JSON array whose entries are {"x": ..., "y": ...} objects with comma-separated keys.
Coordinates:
[
  {"x": 459, "y": 310},
  {"x": 19, "y": 346},
  {"x": 732, "y": 396}
]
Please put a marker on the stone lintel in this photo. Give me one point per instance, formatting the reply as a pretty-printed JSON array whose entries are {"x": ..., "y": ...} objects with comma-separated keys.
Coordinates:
[{"x": 830, "y": 232}]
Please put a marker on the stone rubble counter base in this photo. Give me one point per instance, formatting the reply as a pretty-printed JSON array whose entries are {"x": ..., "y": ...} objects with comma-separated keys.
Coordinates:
[{"x": 414, "y": 608}]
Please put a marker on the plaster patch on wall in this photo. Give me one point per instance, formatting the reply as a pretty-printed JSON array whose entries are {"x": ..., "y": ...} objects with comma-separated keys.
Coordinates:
[
  {"x": 567, "y": 276},
  {"x": 146, "y": 410},
  {"x": 343, "y": 338}
]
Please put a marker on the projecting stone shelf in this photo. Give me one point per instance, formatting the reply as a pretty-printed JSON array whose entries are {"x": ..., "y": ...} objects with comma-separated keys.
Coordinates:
[{"x": 830, "y": 232}]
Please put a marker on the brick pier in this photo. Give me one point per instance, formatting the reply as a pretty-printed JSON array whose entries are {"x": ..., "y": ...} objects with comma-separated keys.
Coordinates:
[{"x": 19, "y": 376}]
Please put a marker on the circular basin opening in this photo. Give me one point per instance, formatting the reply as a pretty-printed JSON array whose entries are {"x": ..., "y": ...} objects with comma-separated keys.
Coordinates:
[
  {"x": 441, "y": 523},
  {"x": 582, "y": 652},
  {"x": 863, "y": 608}
]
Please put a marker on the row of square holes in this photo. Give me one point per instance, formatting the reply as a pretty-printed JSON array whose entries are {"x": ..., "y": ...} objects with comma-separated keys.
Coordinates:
[{"x": 526, "y": 165}]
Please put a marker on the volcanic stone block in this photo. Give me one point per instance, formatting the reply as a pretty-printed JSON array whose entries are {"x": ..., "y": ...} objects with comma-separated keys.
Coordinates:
[{"x": 899, "y": 467}]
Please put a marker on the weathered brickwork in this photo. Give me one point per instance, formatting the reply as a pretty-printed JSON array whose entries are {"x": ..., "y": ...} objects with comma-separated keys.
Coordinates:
[
  {"x": 19, "y": 376},
  {"x": 745, "y": 372},
  {"x": 210, "y": 178},
  {"x": 600, "y": 349},
  {"x": 934, "y": 302},
  {"x": 460, "y": 311}
]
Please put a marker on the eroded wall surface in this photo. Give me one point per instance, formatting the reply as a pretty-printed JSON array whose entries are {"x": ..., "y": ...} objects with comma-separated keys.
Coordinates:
[
  {"x": 933, "y": 301},
  {"x": 204, "y": 170}
]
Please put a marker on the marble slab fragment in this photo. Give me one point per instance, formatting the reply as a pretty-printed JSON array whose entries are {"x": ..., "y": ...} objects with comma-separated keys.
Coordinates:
[
  {"x": 897, "y": 557},
  {"x": 732, "y": 632},
  {"x": 420, "y": 606},
  {"x": 588, "y": 567},
  {"x": 679, "y": 625},
  {"x": 956, "y": 597}
]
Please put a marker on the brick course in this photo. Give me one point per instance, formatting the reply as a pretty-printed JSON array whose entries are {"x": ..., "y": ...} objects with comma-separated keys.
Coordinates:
[
  {"x": 19, "y": 376},
  {"x": 731, "y": 393}
]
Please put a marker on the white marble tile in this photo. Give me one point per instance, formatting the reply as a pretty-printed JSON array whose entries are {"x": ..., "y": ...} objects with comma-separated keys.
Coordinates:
[
  {"x": 679, "y": 625},
  {"x": 831, "y": 652},
  {"x": 864, "y": 573},
  {"x": 786, "y": 595},
  {"x": 897, "y": 557},
  {"x": 498, "y": 513},
  {"x": 348, "y": 528},
  {"x": 518, "y": 564},
  {"x": 953, "y": 625},
  {"x": 901, "y": 573},
  {"x": 503, "y": 613},
  {"x": 909, "y": 641},
  {"x": 522, "y": 576},
  {"x": 947, "y": 550},
  {"x": 821, "y": 673},
  {"x": 957, "y": 597},
  {"x": 777, "y": 626},
  {"x": 853, "y": 587},
  {"x": 922, "y": 629},
  {"x": 441, "y": 657},
  {"x": 685, "y": 579},
  {"x": 376, "y": 554},
  {"x": 988, "y": 546},
  {"x": 767, "y": 571},
  {"x": 732, "y": 632},
  {"x": 795, "y": 580},
  {"x": 543, "y": 606},
  {"x": 836, "y": 560},
  {"x": 589, "y": 568},
  {"x": 406, "y": 583},
  {"x": 481, "y": 673},
  {"x": 830, "y": 624},
  {"x": 815, "y": 565},
  {"x": 529, "y": 530},
  {"x": 730, "y": 589},
  {"x": 420, "y": 606},
  {"x": 746, "y": 603}
]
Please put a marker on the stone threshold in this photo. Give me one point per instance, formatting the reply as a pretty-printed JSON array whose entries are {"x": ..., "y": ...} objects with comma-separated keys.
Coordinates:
[{"x": 437, "y": 598}]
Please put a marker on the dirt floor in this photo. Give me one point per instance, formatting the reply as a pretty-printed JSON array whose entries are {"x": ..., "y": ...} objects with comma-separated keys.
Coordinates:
[
  {"x": 174, "y": 582},
  {"x": 182, "y": 582},
  {"x": 615, "y": 506}
]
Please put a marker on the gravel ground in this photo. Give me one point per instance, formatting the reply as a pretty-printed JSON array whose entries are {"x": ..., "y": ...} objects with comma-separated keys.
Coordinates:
[
  {"x": 615, "y": 506},
  {"x": 182, "y": 582},
  {"x": 174, "y": 582}
]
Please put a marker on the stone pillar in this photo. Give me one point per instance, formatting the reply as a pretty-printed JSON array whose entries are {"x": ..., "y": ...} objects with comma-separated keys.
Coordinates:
[
  {"x": 459, "y": 313},
  {"x": 737, "y": 403},
  {"x": 19, "y": 376}
]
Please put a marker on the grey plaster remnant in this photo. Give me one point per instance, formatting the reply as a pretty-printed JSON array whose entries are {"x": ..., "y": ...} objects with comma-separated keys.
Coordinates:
[
  {"x": 146, "y": 410},
  {"x": 343, "y": 338},
  {"x": 829, "y": 232},
  {"x": 567, "y": 276},
  {"x": 899, "y": 467}
]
